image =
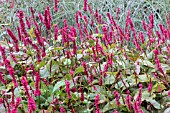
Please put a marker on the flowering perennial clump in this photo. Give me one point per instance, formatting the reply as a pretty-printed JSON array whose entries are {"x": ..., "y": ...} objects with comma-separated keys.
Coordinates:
[{"x": 76, "y": 68}]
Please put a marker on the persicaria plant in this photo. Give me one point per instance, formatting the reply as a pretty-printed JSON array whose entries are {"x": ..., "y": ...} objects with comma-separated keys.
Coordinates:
[{"x": 104, "y": 68}]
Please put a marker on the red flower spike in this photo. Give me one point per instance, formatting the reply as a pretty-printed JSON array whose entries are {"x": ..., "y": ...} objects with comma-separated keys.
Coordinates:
[
  {"x": 31, "y": 104},
  {"x": 47, "y": 18},
  {"x": 117, "y": 97},
  {"x": 15, "y": 106},
  {"x": 41, "y": 17},
  {"x": 13, "y": 57},
  {"x": 151, "y": 19},
  {"x": 32, "y": 12},
  {"x": 56, "y": 5},
  {"x": 68, "y": 88},
  {"x": 55, "y": 32},
  {"x": 128, "y": 100},
  {"x": 144, "y": 25},
  {"x": 28, "y": 23},
  {"x": 11, "y": 72},
  {"x": 39, "y": 39},
  {"x": 62, "y": 110},
  {"x": 97, "y": 102},
  {"x": 37, "y": 91},
  {"x": 100, "y": 82},
  {"x": 25, "y": 85},
  {"x": 85, "y": 5},
  {"x": 11, "y": 34},
  {"x": 19, "y": 33},
  {"x": 2, "y": 78},
  {"x": 149, "y": 87}
]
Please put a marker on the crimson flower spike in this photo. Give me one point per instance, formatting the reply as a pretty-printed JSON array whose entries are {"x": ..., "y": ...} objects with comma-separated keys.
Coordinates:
[
  {"x": 150, "y": 85},
  {"x": 39, "y": 40},
  {"x": 2, "y": 78},
  {"x": 77, "y": 18},
  {"x": 37, "y": 91},
  {"x": 20, "y": 15},
  {"x": 28, "y": 23},
  {"x": 97, "y": 102},
  {"x": 32, "y": 12},
  {"x": 15, "y": 106},
  {"x": 90, "y": 10},
  {"x": 56, "y": 5},
  {"x": 40, "y": 17},
  {"x": 85, "y": 5},
  {"x": 127, "y": 21},
  {"x": 74, "y": 47},
  {"x": 117, "y": 13},
  {"x": 19, "y": 33},
  {"x": 151, "y": 19},
  {"x": 128, "y": 100},
  {"x": 31, "y": 104},
  {"x": 117, "y": 97},
  {"x": 144, "y": 25},
  {"x": 68, "y": 88},
  {"x": 55, "y": 32},
  {"x": 11, "y": 34},
  {"x": 109, "y": 16},
  {"x": 11, "y": 72},
  {"x": 141, "y": 35},
  {"x": 47, "y": 18}
]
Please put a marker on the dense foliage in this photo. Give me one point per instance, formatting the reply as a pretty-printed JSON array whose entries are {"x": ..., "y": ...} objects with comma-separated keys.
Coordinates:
[{"x": 97, "y": 63}]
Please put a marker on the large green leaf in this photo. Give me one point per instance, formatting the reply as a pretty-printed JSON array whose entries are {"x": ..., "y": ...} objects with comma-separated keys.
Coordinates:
[
  {"x": 109, "y": 79},
  {"x": 79, "y": 56},
  {"x": 148, "y": 63},
  {"x": 91, "y": 42},
  {"x": 79, "y": 70},
  {"x": 155, "y": 103},
  {"x": 109, "y": 106},
  {"x": 158, "y": 87},
  {"x": 44, "y": 73},
  {"x": 58, "y": 85},
  {"x": 143, "y": 78}
]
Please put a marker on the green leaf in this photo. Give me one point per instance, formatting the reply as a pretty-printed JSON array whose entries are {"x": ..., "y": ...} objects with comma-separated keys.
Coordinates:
[
  {"x": 17, "y": 92},
  {"x": 148, "y": 63},
  {"x": 109, "y": 106},
  {"x": 145, "y": 95},
  {"x": 54, "y": 68},
  {"x": 158, "y": 87},
  {"x": 109, "y": 79},
  {"x": 165, "y": 67},
  {"x": 91, "y": 42},
  {"x": 41, "y": 64},
  {"x": 59, "y": 48},
  {"x": 150, "y": 55},
  {"x": 74, "y": 96},
  {"x": 58, "y": 85},
  {"x": 97, "y": 35},
  {"x": 79, "y": 56},
  {"x": 44, "y": 73},
  {"x": 50, "y": 99},
  {"x": 79, "y": 70},
  {"x": 155, "y": 103},
  {"x": 143, "y": 78},
  {"x": 67, "y": 62}
]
